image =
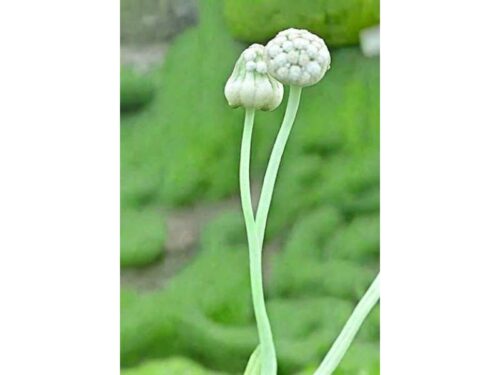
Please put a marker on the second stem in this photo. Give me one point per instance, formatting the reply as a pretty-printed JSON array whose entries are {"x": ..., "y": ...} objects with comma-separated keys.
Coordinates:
[{"x": 274, "y": 162}]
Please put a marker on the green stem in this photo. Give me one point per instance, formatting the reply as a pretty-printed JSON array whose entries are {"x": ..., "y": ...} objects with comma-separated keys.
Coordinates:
[
  {"x": 256, "y": 227},
  {"x": 344, "y": 340},
  {"x": 274, "y": 162},
  {"x": 268, "y": 352}
]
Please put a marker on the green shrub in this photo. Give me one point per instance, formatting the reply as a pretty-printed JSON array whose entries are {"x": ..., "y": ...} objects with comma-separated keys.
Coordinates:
[
  {"x": 308, "y": 267},
  {"x": 136, "y": 90},
  {"x": 347, "y": 181},
  {"x": 203, "y": 313},
  {"x": 142, "y": 236},
  {"x": 227, "y": 229},
  {"x": 338, "y": 22},
  {"x": 358, "y": 241},
  {"x": 139, "y": 182}
]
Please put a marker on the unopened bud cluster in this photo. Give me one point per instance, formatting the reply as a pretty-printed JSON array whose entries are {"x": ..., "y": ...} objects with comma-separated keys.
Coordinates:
[
  {"x": 297, "y": 57},
  {"x": 250, "y": 85}
]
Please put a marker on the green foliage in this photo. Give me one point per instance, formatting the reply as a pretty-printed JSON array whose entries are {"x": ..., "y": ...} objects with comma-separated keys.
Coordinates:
[
  {"x": 171, "y": 366},
  {"x": 358, "y": 241},
  {"x": 205, "y": 312},
  {"x": 360, "y": 359},
  {"x": 136, "y": 90},
  {"x": 309, "y": 265},
  {"x": 185, "y": 145},
  {"x": 142, "y": 236},
  {"x": 338, "y": 22}
]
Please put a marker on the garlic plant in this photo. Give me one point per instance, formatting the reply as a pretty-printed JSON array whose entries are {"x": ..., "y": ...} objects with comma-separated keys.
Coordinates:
[{"x": 297, "y": 58}]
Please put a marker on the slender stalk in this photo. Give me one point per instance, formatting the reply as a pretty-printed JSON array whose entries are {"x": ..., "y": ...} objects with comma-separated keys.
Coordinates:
[
  {"x": 344, "y": 340},
  {"x": 274, "y": 162},
  {"x": 268, "y": 352}
]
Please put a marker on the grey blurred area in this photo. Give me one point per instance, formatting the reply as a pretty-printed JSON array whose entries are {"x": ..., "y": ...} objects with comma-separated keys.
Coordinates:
[
  {"x": 153, "y": 21},
  {"x": 147, "y": 26}
]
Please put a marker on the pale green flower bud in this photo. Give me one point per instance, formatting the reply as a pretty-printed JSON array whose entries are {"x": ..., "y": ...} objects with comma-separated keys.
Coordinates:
[
  {"x": 297, "y": 57},
  {"x": 250, "y": 85}
]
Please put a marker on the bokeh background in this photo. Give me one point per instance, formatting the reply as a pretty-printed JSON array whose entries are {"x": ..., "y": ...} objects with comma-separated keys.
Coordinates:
[{"x": 185, "y": 290}]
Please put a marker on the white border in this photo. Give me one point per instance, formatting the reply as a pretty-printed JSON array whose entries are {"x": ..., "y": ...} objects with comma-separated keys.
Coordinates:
[
  {"x": 59, "y": 189},
  {"x": 440, "y": 188}
]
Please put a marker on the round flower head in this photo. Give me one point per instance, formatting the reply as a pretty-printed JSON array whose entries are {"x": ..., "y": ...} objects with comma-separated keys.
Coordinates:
[
  {"x": 297, "y": 57},
  {"x": 250, "y": 85}
]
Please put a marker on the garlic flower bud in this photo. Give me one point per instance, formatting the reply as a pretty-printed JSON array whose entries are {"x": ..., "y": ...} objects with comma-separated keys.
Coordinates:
[
  {"x": 250, "y": 85},
  {"x": 297, "y": 57}
]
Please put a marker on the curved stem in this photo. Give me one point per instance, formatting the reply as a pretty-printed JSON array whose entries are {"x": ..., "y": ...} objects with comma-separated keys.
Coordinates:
[
  {"x": 344, "y": 340},
  {"x": 274, "y": 162},
  {"x": 268, "y": 352}
]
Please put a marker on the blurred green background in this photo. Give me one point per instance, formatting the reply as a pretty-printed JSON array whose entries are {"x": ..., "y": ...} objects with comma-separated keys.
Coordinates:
[{"x": 185, "y": 289}]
